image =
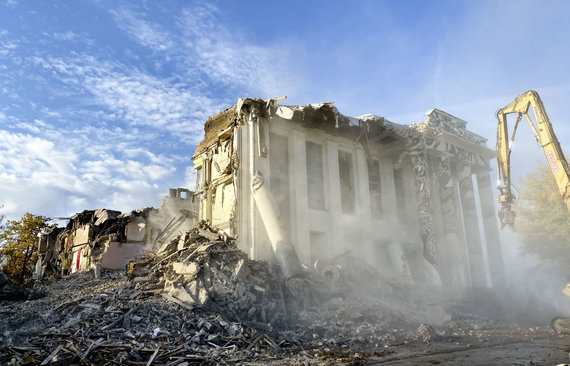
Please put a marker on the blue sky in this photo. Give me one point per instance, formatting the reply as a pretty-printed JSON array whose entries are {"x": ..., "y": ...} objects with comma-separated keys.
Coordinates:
[{"x": 103, "y": 102}]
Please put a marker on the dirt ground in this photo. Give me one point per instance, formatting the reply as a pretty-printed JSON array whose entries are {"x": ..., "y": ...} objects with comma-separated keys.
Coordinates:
[{"x": 545, "y": 348}]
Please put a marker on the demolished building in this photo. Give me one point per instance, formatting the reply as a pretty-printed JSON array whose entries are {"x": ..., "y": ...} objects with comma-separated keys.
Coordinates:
[
  {"x": 110, "y": 239},
  {"x": 367, "y": 203},
  {"x": 305, "y": 184}
]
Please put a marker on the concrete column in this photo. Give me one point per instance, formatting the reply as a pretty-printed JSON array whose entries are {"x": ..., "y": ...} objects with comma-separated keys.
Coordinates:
[
  {"x": 471, "y": 225},
  {"x": 488, "y": 213},
  {"x": 362, "y": 186},
  {"x": 332, "y": 179},
  {"x": 244, "y": 198},
  {"x": 249, "y": 146},
  {"x": 428, "y": 236},
  {"x": 262, "y": 250},
  {"x": 436, "y": 209},
  {"x": 269, "y": 213},
  {"x": 300, "y": 204},
  {"x": 452, "y": 254},
  {"x": 463, "y": 250}
]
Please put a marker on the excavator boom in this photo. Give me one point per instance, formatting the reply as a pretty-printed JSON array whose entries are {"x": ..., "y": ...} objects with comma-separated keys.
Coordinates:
[{"x": 545, "y": 137}]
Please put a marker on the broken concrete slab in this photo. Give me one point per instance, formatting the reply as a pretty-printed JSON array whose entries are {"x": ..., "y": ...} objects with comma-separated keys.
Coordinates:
[
  {"x": 241, "y": 271},
  {"x": 189, "y": 269}
]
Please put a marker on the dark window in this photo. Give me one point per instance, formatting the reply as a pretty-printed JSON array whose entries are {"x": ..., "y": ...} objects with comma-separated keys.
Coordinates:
[
  {"x": 346, "y": 181},
  {"x": 400, "y": 195},
  {"x": 279, "y": 174},
  {"x": 374, "y": 185},
  {"x": 315, "y": 180},
  {"x": 208, "y": 172},
  {"x": 198, "y": 179}
]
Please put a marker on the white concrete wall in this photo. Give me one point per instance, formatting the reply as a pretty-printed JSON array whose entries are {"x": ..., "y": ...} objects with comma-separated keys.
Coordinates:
[{"x": 366, "y": 236}]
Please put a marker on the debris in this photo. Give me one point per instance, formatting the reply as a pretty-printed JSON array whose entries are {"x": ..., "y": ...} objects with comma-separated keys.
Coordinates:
[
  {"x": 241, "y": 270},
  {"x": 177, "y": 301},
  {"x": 561, "y": 325},
  {"x": 185, "y": 269},
  {"x": 205, "y": 302},
  {"x": 426, "y": 333},
  {"x": 51, "y": 355}
]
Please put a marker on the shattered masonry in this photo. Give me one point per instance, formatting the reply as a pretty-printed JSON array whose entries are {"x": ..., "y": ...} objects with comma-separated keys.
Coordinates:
[
  {"x": 201, "y": 300},
  {"x": 104, "y": 238},
  {"x": 308, "y": 183}
]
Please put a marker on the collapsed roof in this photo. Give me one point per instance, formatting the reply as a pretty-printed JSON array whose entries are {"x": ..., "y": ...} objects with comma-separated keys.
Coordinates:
[{"x": 322, "y": 116}]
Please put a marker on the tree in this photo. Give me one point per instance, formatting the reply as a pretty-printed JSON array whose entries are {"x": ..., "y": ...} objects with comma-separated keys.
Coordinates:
[
  {"x": 18, "y": 246},
  {"x": 543, "y": 221}
]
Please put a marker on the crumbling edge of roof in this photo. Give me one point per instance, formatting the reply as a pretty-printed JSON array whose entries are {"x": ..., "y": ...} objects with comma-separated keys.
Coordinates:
[{"x": 326, "y": 117}]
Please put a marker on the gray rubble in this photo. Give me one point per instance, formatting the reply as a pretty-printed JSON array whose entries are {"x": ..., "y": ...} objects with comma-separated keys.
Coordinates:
[
  {"x": 200, "y": 300},
  {"x": 204, "y": 268}
]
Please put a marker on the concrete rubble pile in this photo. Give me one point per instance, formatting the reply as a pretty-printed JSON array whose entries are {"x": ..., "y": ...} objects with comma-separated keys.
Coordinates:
[
  {"x": 200, "y": 300},
  {"x": 205, "y": 268},
  {"x": 114, "y": 323}
]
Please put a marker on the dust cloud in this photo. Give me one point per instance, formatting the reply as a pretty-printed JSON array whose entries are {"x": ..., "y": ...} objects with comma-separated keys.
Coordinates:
[{"x": 385, "y": 265}]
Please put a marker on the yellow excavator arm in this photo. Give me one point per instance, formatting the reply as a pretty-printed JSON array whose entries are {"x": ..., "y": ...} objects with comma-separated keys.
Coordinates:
[{"x": 544, "y": 136}]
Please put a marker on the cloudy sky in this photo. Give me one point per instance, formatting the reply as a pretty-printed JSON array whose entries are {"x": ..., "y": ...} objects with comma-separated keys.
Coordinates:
[{"x": 102, "y": 102}]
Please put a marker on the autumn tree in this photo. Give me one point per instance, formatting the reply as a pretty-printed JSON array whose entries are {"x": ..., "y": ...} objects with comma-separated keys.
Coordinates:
[
  {"x": 18, "y": 246},
  {"x": 543, "y": 221}
]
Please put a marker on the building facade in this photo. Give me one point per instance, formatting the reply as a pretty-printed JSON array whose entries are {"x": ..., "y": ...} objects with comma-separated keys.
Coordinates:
[{"x": 412, "y": 201}]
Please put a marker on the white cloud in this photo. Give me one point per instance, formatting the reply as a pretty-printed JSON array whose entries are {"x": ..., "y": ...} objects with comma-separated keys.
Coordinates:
[
  {"x": 135, "y": 97},
  {"x": 230, "y": 58},
  {"x": 62, "y": 36},
  {"x": 37, "y": 126},
  {"x": 25, "y": 155},
  {"x": 208, "y": 47},
  {"x": 30, "y": 127},
  {"x": 56, "y": 178},
  {"x": 11, "y": 3},
  {"x": 144, "y": 100},
  {"x": 145, "y": 33},
  {"x": 156, "y": 172},
  {"x": 101, "y": 148},
  {"x": 134, "y": 152},
  {"x": 190, "y": 178},
  {"x": 7, "y": 44}
]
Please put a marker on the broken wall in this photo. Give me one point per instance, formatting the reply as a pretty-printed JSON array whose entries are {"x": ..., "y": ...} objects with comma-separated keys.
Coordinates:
[
  {"x": 109, "y": 239},
  {"x": 213, "y": 160}
]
